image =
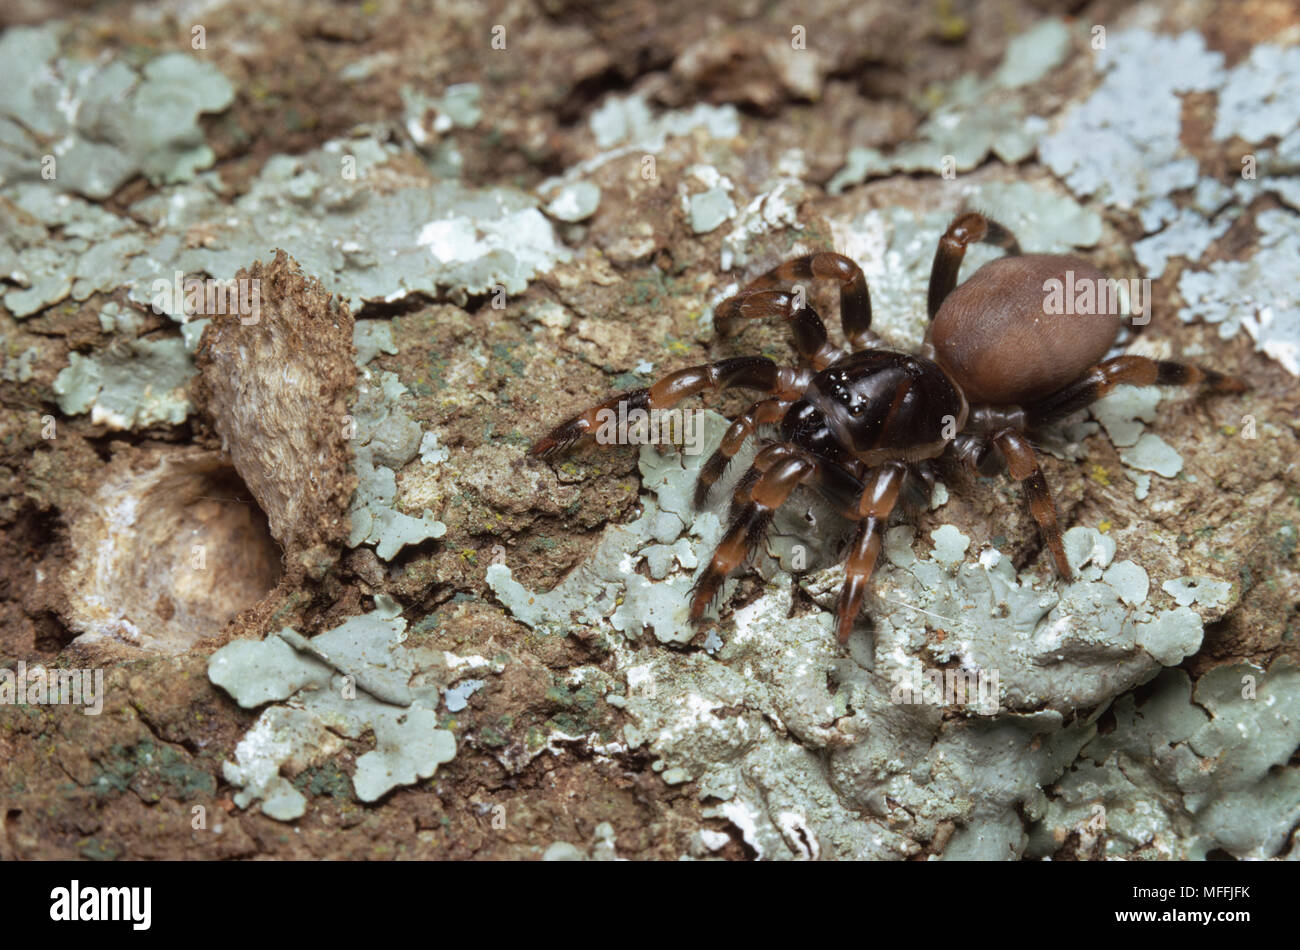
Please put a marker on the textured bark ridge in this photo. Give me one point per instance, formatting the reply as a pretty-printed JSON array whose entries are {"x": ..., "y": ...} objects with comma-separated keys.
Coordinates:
[{"x": 276, "y": 384}]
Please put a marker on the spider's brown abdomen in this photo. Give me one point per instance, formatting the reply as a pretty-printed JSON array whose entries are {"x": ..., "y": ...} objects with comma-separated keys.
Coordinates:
[{"x": 1013, "y": 332}]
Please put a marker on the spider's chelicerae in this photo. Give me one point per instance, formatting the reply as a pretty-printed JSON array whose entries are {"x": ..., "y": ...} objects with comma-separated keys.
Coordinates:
[{"x": 863, "y": 426}]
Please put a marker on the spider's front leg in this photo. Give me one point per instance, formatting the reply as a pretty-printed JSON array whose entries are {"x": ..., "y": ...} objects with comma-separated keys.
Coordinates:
[
  {"x": 768, "y": 484},
  {"x": 855, "y": 298},
  {"x": 750, "y": 372},
  {"x": 810, "y": 338}
]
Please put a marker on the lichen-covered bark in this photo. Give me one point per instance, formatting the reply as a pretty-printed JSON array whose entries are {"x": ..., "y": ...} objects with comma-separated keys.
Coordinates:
[{"x": 521, "y": 229}]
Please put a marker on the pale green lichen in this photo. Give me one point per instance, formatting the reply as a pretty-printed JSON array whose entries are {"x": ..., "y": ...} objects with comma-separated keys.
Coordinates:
[
  {"x": 1257, "y": 294},
  {"x": 1171, "y": 636},
  {"x": 1122, "y": 143},
  {"x": 257, "y": 672},
  {"x": 55, "y": 246},
  {"x": 628, "y": 121},
  {"x": 17, "y": 369},
  {"x": 387, "y": 438},
  {"x": 1184, "y": 772},
  {"x": 1129, "y": 581},
  {"x": 427, "y": 120},
  {"x": 949, "y": 544},
  {"x": 602, "y": 847},
  {"x": 576, "y": 201},
  {"x": 1153, "y": 454},
  {"x": 774, "y": 208},
  {"x": 1123, "y": 412},
  {"x": 129, "y": 385},
  {"x": 975, "y": 117},
  {"x": 1205, "y": 591},
  {"x": 624, "y": 126},
  {"x": 407, "y": 748},
  {"x": 709, "y": 209},
  {"x": 325, "y": 209},
  {"x": 457, "y": 697},
  {"x": 356, "y": 678},
  {"x": 1125, "y": 145},
  {"x": 87, "y": 127},
  {"x": 372, "y": 337},
  {"x": 1034, "y": 53},
  {"x": 1245, "y": 113}
]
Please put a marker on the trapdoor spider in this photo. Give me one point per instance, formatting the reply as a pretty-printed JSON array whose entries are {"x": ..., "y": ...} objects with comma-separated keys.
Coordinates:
[{"x": 863, "y": 426}]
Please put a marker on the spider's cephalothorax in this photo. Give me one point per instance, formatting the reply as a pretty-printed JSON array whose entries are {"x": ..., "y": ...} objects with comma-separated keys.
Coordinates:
[
  {"x": 1002, "y": 357},
  {"x": 878, "y": 405}
]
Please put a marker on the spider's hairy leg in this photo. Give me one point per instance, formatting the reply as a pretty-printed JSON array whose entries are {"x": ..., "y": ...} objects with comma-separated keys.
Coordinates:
[
  {"x": 810, "y": 338},
  {"x": 877, "y": 502},
  {"x": 855, "y": 299},
  {"x": 1022, "y": 463},
  {"x": 967, "y": 228},
  {"x": 749, "y": 372},
  {"x": 782, "y": 467},
  {"x": 1134, "y": 370},
  {"x": 839, "y": 486},
  {"x": 740, "y": 494},
  {"x": 742, "y": 427}
]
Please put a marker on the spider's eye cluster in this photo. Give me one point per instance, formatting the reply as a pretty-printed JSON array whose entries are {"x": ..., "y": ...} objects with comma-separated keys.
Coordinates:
[{"x": 842, "y": 393}]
